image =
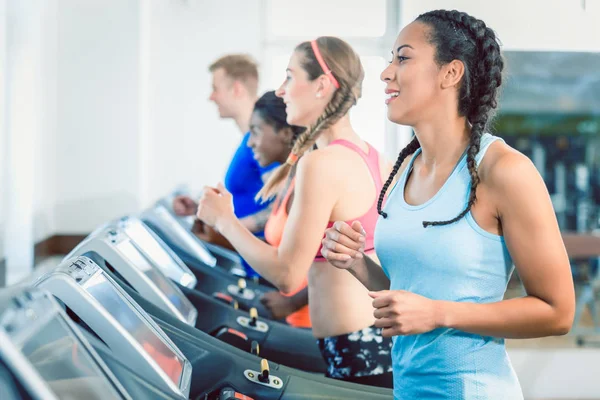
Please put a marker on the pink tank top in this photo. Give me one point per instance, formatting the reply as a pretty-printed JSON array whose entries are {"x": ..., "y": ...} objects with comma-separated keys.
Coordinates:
[{"x": 368, "y": 220}]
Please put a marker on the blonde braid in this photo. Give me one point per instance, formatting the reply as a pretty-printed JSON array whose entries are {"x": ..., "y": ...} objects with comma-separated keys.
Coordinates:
[{"x": 343, "y": 99}]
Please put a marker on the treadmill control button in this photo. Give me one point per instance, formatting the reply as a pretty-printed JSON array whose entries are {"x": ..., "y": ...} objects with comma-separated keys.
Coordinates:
[
  {"x": 253, "y": 317},
  {"x": 242, "y": 285},
  {"x": 249, "y": 323},
  {"x": 264, "y": 377},
  {"x": 244, "y": 293},
  {"x": 264, "y": 371}
]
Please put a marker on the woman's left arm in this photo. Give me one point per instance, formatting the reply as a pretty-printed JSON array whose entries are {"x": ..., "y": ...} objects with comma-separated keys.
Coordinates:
[{"x": 535, "y": 244}]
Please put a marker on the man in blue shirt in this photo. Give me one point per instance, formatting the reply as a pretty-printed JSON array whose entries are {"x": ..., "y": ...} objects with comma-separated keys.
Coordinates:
[{"x": 234, "y": 91}]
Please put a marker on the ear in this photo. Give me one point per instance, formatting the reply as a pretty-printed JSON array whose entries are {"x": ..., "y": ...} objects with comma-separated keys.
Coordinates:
[
  {"x": 452, "y": 73},
  {"x": 238, "y": 88},
  {"x": 323, "y": 87},
  {"x": 287, "y": 135}
]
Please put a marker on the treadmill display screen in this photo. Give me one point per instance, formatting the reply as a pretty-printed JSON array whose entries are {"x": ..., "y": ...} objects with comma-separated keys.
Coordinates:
[
  {"x": 175, "y": 296},
  {"x": 64, "y": 364},
  {"x": 153, "y": 249},
  {"x": 191, "y": 243},
  {"x": 168, "y": 360}
]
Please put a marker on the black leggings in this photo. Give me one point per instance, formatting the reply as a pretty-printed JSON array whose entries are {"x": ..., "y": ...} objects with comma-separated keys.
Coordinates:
[{"x": 362, "y": 357}]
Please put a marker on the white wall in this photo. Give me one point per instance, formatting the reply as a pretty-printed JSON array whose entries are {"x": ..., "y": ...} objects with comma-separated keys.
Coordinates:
[
  {"x": 188, "y": 143},
  {"x": 133, "y": 120},
  {"x": 96, "y": 146},
  {"x": 44, "y": 184},
  {"x": 552, "y": 25},
  {"x": 3, "y": 132}
]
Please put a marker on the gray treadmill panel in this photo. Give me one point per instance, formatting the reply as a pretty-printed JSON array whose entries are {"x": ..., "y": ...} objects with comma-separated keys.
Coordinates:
[
  {"x": 172, "y": 293},
  {"x": 169, "y": 361},
  {"x": 52, "y": 357},
  {"x": 179, "y": 232},
  {"x": 120, "y": 322},
  {"x": 148, "y": 244},
  {"x": 113, "y": 245}
]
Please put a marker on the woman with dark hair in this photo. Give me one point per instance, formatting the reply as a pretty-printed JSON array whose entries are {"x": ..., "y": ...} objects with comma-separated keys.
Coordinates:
[
  {"x": 465, "y": 208},
  {"x": 271, "y": 140}
]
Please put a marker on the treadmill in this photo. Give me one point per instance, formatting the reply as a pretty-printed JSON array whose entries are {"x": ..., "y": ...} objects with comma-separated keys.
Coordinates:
[
  {"x": 47, "y": 355},
  {"x": 220, "y": 285},
  {"x": 218, "y": 371},
  {"x": 81, "y": 285},
  {"x": 112, "y": 244},
  {"x": 177, "y": 232},
  {"x": 280, "y": 342}
]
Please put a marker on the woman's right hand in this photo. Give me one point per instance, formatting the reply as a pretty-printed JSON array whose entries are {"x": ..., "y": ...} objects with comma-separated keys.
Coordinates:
[
  {"x": 343, "y": 244},
  {"x": 184, "y": 206}
]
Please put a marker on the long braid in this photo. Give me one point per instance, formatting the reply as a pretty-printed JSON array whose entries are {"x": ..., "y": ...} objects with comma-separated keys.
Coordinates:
[
  {"x": 337, "y": 60},
  {"x": 483, "y": 77},
  {"x": 342, "y": 100},
  {"x": 408, "y": 150},
  {"x": 336, "y": 109}
]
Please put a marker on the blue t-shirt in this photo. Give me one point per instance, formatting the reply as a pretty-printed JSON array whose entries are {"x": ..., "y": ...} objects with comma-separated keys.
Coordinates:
[{"x": 244, "y": 180}]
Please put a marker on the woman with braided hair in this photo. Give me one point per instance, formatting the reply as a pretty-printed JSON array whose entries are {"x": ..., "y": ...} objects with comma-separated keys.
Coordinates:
[
  {"x": 339, "y": 180},
  {"x": 464, "y": 208}
]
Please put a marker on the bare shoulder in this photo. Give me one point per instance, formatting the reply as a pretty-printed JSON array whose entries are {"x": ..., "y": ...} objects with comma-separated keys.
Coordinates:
[
  {"x": 328, "y": 161},
  {"x": 316, "y": 169},
  {"x": 314, "y": 160},
  {"x": 504, "y": 169},
  {"x": 317, "y": 180}
]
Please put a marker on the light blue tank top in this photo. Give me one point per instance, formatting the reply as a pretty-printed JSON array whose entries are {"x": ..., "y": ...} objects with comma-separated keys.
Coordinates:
[{"x": 459, "y": 262}]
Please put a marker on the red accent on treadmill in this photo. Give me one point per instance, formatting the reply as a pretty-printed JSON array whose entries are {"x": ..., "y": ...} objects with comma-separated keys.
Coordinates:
[
  {"x": 237, "y": 333},
  {"x": 223, "y": 296},
  {"x": 242, "y": 396}
]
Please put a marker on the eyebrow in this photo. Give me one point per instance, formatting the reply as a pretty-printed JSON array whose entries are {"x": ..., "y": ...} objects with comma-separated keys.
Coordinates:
[{"x": 403, "y": 46}]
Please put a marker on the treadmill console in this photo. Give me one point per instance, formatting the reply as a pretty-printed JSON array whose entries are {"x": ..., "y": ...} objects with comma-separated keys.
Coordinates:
[
  {"x": 152, "y": 247},
  {"x": 113, "y": 245},
  {"x": 178, "y": 230},
  {"x": 48, "y": 354},
  {"x": 120, "y": 322}
]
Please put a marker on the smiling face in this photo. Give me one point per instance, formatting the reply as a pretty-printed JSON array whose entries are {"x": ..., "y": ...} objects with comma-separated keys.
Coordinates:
[
  {"x": 413, "y": 78},
  {"x": 268, "y": 144}
]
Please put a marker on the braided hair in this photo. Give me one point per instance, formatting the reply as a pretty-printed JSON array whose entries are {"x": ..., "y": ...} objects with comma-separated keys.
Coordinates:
[
  {"x": 346, "y": 67},
  {"x": 459, "y": 36}
]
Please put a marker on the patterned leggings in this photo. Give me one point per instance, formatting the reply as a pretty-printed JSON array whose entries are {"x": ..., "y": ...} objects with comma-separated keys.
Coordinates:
[{"x": 356, "y": 355}]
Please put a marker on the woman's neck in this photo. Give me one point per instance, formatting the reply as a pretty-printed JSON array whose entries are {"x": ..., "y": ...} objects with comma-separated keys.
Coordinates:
[
  {"x": 340, "y": 130},
  {"x": 443, "y": 142}
]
